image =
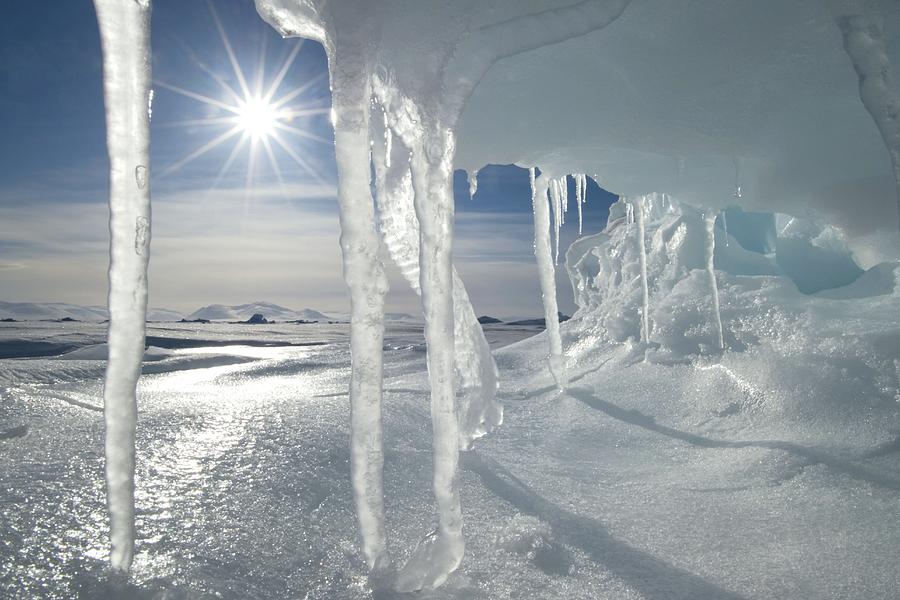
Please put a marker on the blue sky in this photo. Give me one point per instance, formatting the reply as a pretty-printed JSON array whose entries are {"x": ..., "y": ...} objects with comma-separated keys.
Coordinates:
[{"x": 217, "y": 236}]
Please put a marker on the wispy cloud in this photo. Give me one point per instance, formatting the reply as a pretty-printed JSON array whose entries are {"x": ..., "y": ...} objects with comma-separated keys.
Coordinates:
[{"x": 278, "y": 243}]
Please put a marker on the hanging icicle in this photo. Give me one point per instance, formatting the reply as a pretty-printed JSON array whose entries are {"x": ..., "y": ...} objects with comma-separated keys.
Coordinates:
[
  {"x": 367, "y": 283},
  {"x": 724, "y": 214},
  {"x": 710, "y": 227},
  {"x": 580, "y": 196},
  {"x": 555, "y": 201},
  {"x": 638, "y": 215},
  {"x": 125, "y": 37},
  {"x": 547, "y": 273},
  {"x": 473, "y": 183}
]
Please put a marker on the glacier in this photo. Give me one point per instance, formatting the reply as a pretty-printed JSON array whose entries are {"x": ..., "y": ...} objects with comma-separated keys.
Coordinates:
[{"x": 782, "y": 116}]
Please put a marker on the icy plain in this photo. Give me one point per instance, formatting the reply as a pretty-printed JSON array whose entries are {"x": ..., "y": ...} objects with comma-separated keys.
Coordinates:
[{"x": 770, "y": 473}]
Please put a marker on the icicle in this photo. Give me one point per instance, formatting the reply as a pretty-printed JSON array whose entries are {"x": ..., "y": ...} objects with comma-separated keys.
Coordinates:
[
  {"x": 557, "y": 215},
  {"x": 473, "y": 183},
  {"x": 539, "y": 188},
  {"x": 710, "y": 222},
  {"x": 564, "y": 189},
  {"x": 125, "y": 37},
  {"x": 863, "y": 33},
  {"x": 584, "y": 188},
  {"x": 638, "y": 210},
  {"x": 479, "y": 410},
  {"x": 441, "y": 552},
  {"x": 366, "y": 280},
  {"x": 388, "y": 141},
  {"x": 579, "y": 200},
  {"x": 724, "y": 214}
]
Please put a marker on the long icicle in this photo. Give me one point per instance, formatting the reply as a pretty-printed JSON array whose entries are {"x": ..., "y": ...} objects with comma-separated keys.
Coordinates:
[
  {"x": 710, "y": 223},
  {"x": 579, "y": 198},
  {"x": 557, "y": 216},
  {"x": 863, "y": 33},
  {"x": 441, "y": 552},
  {"x": 724, "y": 214},
  {"x": 642, "y": 249},
  {"x": 367, "y": 283},
  {"x": 479, "y": 410},
  {"x": 125, "y": 37},
  {"x": 546, "y": 271}
]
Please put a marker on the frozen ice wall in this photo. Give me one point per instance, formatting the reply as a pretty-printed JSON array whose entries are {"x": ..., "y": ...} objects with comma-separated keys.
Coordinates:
[
  {"x": 782, "y": 107},
  {"x": 670, "y": 94},
  {"x": 762, "y": 265}
]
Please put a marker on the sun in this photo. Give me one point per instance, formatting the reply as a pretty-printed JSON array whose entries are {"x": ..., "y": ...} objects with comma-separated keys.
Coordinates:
[{"x": 258, "y": 119}]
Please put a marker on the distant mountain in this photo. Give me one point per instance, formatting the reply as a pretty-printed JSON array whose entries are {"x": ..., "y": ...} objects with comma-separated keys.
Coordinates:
[
  {"x": 163, "y": 314},
  {"x": 395, "y": 316},
  {"x": 243, "y": 312},
  {"x": 537, "y": 322},
  {"x": 55, "y": 311},
  {"x": 486, "y": 320}
]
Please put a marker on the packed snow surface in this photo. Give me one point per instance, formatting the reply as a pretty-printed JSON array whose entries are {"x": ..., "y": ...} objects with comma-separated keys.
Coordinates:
[{"x": 770, "y": 472}]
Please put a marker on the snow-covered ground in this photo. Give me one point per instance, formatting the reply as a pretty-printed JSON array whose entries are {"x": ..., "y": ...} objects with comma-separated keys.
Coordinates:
[{"x": 735, "y": 476}]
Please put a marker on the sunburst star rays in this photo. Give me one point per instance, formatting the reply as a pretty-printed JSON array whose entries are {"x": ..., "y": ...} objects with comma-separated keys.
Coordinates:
[{"x": 254, "y": 117}]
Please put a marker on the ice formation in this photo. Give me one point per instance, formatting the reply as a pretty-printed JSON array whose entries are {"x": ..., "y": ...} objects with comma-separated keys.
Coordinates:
[
  {"x": 556, "y": 211},
  {"x": 546, "y": 271},
  {"x": 479, "y": 411},
  {"x": 662, "y": 113},
  {"x": 580, "y": 196},
  {"x": 862, "y": 27},
  {"x": 637, "y": 208},
  {"x": 710, "y": 246},
  {"x": 125, "y": 37},
  {"x": 423, "y": 97}
]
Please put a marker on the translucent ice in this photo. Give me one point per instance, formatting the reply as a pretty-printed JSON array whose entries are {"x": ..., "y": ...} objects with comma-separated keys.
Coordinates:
[
  {"x": 125, "y": 37},
  {"x": 710, "y": 225},
  {"x": 546, "y": 272}
]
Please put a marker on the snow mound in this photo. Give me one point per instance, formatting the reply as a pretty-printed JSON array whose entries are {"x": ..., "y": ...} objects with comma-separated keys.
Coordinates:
[{"x": 762, "y": 269}]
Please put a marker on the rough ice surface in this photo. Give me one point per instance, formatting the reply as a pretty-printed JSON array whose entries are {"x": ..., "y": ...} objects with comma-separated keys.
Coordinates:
[{"x": 125, "y": 37}]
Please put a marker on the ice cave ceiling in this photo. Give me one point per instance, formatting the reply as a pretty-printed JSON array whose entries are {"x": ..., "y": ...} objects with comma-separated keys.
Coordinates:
[{"x": 687, "y": 97}]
